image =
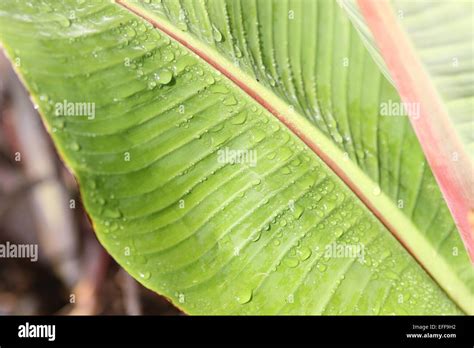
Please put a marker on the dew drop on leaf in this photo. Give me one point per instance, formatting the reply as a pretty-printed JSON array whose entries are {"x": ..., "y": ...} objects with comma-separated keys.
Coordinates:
[
  {"x": 59, "y": 123},
  {"x": 239, "y": 119},
  {"x": 256, "y": 237},
  {"x": 258, "y": 135},
  {"x": 63, "y": 21},
  {"x": 229, "y": 101},
  {"x": 168, "y": 56},
  {"x": 244, "y": 296},
  {"x": 151, "y": 84},
  {"x": 75, "y": 146},
  {"x": 216, "y": 34},
  {"x": 337, "y": 137},
  {"x": 163, "y": 77},
  {"x": 292, "y": 262},
  {"x": 210, "y": 80},
  {"x": 271, "y": 155},
  {"x": 238, "y": 52},
  {"x": 219, "y": 88},
  {"x": 112, "y": 213},
  {"x": 145, "y": 275},
  {"x": 298, "y": 211},
  {"x": 304, "y": 253},
  {"x": 376, "y": 191}
]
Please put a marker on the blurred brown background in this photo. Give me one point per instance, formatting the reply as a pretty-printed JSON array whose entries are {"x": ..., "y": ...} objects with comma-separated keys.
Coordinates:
[{"x": 40, "y": 204}]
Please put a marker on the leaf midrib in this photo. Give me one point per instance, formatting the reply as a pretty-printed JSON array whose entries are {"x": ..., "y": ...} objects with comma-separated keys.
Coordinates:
[{"x": 380, "y": 205}]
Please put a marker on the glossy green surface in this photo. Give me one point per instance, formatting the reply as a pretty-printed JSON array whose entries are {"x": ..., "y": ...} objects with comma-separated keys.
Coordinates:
[{"x": 278, "y": 232}]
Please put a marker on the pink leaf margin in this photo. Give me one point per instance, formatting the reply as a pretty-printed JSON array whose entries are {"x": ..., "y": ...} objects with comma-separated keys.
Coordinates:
[{"x": 438, "y": 138}]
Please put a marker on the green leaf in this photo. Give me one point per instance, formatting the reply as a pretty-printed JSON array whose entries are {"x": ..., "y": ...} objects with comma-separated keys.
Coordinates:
[{"x": 304, "y": 223}]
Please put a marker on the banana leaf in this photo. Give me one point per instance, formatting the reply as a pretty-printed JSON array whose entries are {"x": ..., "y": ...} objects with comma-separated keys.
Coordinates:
[{"x": 234, "y": 156}]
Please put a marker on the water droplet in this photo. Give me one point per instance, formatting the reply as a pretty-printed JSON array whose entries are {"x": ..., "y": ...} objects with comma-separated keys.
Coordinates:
[
  {"x": 145, "y": 275},
  {"x": 271, "y": 155},
  {"x": 376, "y": 191},
  {"x": 163, "y": 77},
  {"x": 296, "y": 162},
  {"x": 304, "y": 253},
  {"x": 130, "y": 32},
  {"x": 182, "y": 26},
  {"x": 114, "y": 227},
  {"x": 238, "y": 52},
  {"x": 322, "y": 267},
  {"x": 59, "y": 123},
  {"x": 210, "y": 80},
  {"x": 271, "y": 80},
  {"x": 298, "y": 211},
  {"x": 140, "y": 259},
  {"x": 168, "y": 56},
  {"x": 244, "y": 296},
  {"x": 151, "y": 84},
  {"x": 219, "y": 88},
  {"x": 198, "y": 70},
  {"x": 258, "y": 135},
  {"x": 75, "y": 146},
  {"x": 230, "y": 101},
  {"x": 217, "y": 128},
  {"x": 256, "y": 237},
  {"x": 391, "y": 275},
  {"x": 284, "y": 153},
  {"x": 112, "y": 213},
  {"x": 181, "y": 64},
  {"x": 63, "y": 21},
  {"x": 292, "y": 262},
  {"x": 337, "y": 137},
  {"x": 360, "y": 153},
  {"x": 216, "y": 34}
]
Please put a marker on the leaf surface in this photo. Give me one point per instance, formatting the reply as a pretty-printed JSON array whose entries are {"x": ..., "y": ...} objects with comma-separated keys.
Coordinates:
[{"x": 308, "y": 227}]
